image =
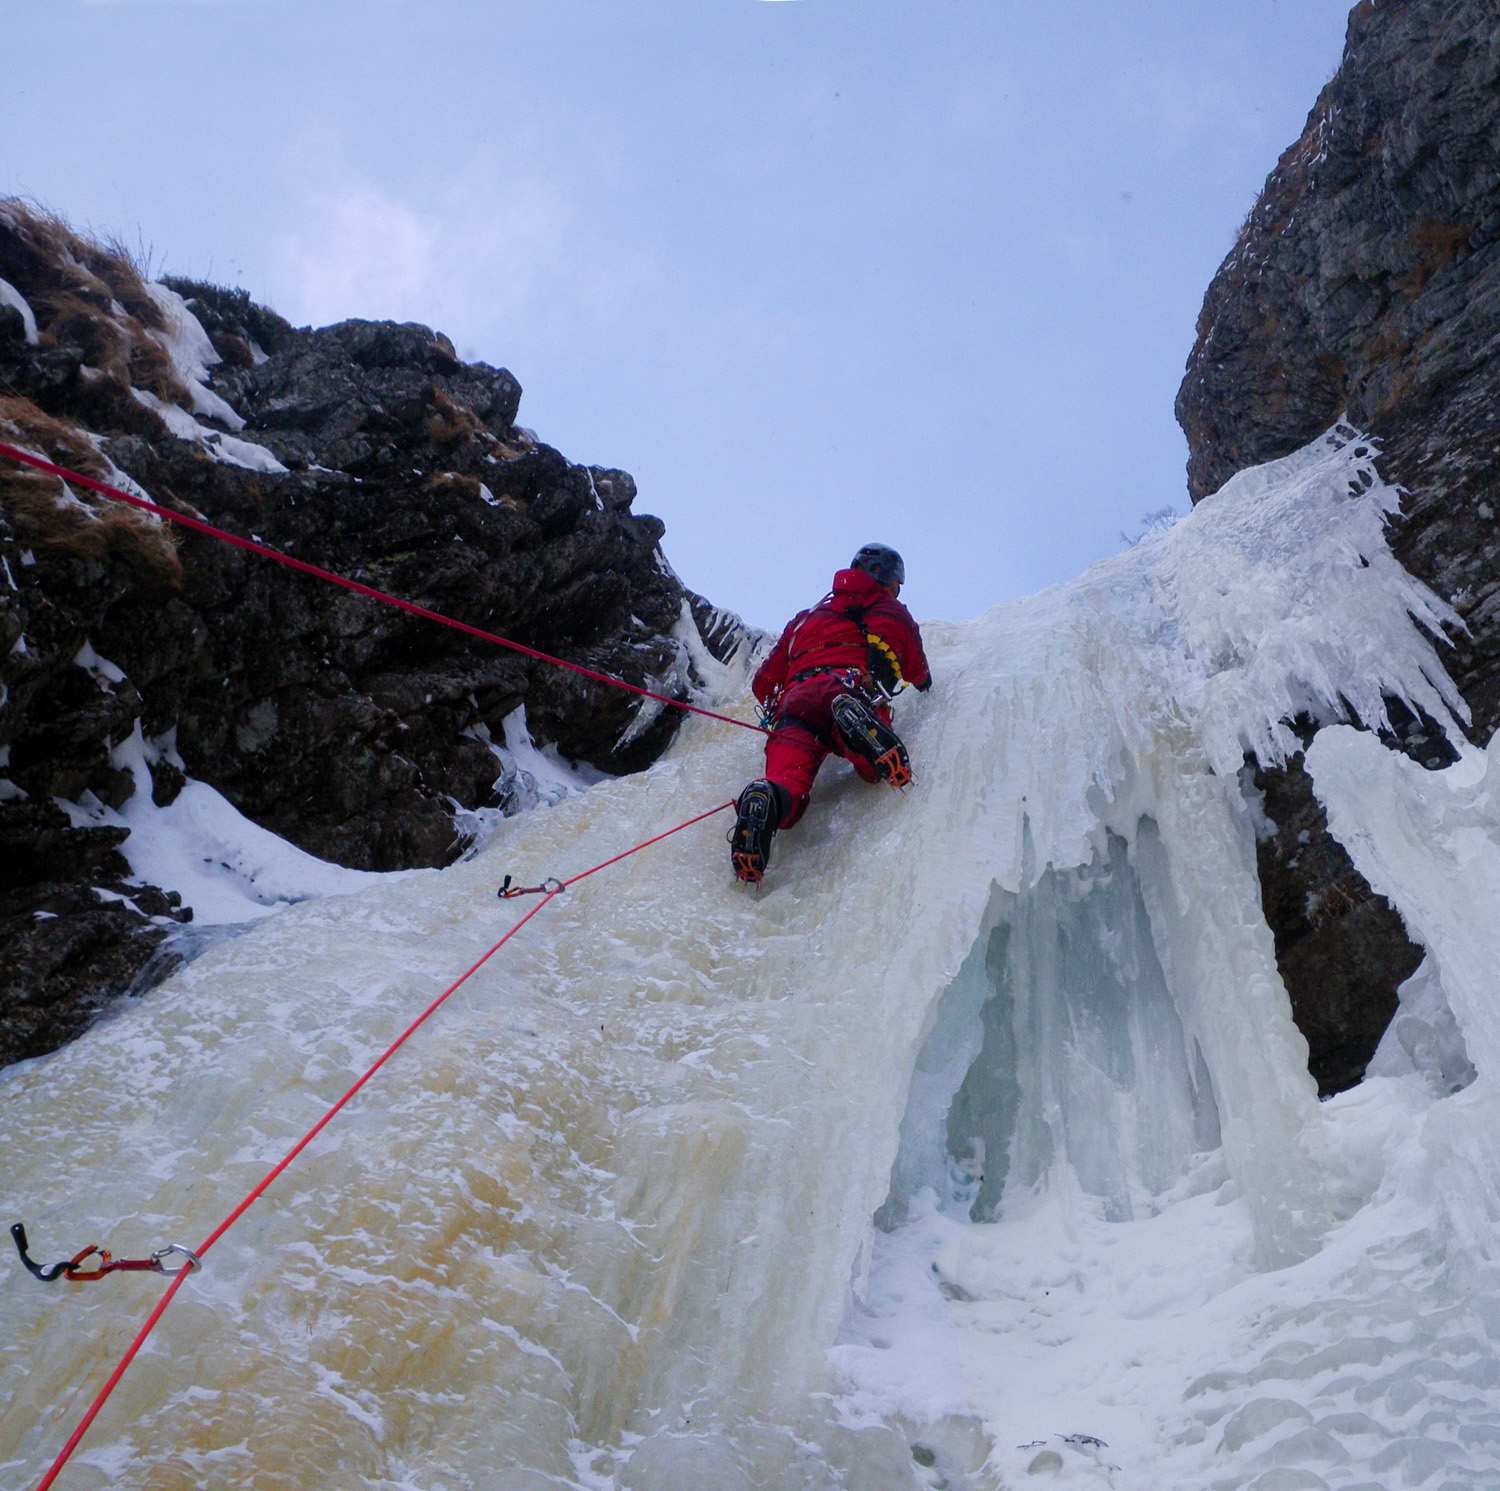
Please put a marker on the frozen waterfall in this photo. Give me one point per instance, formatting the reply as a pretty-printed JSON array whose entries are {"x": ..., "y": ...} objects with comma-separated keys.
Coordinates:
[{"x": 978, "y": 1151}]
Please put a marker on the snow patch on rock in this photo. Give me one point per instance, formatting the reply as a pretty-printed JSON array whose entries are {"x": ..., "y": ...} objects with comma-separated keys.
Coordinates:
[
  {"x": 12, "y": 297},
  {"x": 227, "y": 448},
  {"x": 227, "y": 868}
]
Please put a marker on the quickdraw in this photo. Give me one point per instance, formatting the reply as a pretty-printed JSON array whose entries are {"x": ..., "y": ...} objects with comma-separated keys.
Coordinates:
[
  {"x": 73, "y": 1269},
  {"x": 551, "y": 886}
]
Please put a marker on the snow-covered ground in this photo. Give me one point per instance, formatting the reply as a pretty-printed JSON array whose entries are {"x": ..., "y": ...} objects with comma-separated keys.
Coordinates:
[{"x": 978, "y": 1150}]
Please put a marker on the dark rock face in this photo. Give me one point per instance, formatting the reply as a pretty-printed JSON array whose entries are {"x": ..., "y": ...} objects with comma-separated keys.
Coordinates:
[
  {"x": 353, "y": 396},
  {"x": 1366, "y": 283},
  {"x": 1342, "y": 950},
  {"x": 350, "y": 728},
  {"x": 67, "y": 950},
  {"x": 339, "y": 723}
]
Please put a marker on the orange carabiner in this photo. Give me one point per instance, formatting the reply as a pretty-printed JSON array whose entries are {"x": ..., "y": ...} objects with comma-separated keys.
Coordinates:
[{"x": 76, "y": 1274}]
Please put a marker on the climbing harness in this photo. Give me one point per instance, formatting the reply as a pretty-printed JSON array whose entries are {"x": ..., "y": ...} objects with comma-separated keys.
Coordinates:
[
  {"x": 265, "y": 551},
  {"x": 193, "y": 1258}
]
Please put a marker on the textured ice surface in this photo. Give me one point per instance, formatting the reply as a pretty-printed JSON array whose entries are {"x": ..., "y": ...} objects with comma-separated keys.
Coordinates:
[
  {"x": 1424, "y": 1037},
  {"x": 609, "y": 1220}
]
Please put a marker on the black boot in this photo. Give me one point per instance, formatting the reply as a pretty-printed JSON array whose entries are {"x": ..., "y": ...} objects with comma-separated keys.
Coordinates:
[
  {"x": 870, "y": 738},
  {"x": 760, "y": 811}
]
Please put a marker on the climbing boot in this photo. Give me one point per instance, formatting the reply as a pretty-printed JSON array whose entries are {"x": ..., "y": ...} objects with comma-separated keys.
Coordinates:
[
  {"x": 754, "y": 828},
  {"x": 871, "y": 739}
]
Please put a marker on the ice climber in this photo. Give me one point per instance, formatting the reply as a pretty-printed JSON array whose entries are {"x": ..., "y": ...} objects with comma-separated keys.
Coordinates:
[{"x": 827, "y": 687}]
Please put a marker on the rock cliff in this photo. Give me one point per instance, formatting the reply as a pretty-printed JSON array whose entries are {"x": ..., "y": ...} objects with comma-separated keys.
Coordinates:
[
  {"x": 1365, "y": 283},
  {"x": 361, "y": 734}
]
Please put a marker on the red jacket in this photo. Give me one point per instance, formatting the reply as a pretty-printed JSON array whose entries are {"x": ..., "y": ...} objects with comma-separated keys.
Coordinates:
[{"x": 829, "y": 636}]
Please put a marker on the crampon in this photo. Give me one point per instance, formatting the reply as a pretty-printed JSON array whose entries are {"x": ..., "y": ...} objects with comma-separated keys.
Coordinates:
[
  {"x": 754, "y": 828},
  {"x": 870, "y": 738}
]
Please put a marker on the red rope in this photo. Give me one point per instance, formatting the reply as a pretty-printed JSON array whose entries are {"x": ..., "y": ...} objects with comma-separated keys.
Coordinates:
[
  {"x": 199, "y": 526},
  {"x": 140, "y": 1340},
  {"x": 584, "y": 875}
]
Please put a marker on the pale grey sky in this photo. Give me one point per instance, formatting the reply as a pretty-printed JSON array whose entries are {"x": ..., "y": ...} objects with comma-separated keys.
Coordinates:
[{"x": 817, "y": 273}]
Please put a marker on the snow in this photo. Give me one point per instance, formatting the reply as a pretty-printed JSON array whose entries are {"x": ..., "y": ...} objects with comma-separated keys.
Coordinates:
[
  {"x": 530, "y": 777},
  {"x": 11, "y": 296},
  {"x": 107, "y": 673},
  {"x": 978, "y": 1150},
  {"x": 222, "y": 447},
  {"x": 227, "y": 868},
  {"x": 192, "y": 354},
  {"x": 544, "y": 776}
]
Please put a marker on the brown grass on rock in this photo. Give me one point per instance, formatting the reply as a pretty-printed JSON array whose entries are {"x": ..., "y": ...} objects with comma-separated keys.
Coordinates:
[
  {"x": 90, "y": 295},
  {"x": 61, "y": 443},
  {"x": 450, "y": 423},
  {"x": 52, "y": 516},
  {"x": 470, "y": 486}
]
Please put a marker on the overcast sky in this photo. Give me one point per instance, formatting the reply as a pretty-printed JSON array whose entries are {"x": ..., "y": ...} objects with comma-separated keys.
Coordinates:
[{"x": 816, "y": 272}]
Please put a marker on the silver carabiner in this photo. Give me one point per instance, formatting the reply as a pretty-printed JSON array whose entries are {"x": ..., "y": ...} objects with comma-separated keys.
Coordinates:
[{"x": 193, "y": 1263}]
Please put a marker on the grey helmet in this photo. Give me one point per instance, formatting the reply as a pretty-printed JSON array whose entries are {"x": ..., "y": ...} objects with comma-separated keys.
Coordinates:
[{"x": 883, "y": 565}]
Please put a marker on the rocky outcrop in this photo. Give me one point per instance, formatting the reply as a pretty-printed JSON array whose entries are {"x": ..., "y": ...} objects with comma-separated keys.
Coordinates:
[
  {"x": 1366, "y": 284},
  {"x": 357, "y": 732}
]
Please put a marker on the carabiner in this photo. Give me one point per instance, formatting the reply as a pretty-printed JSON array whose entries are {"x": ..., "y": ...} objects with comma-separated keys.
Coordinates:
[
  {"x": 74, "y": 1273},
  {"x": 192, "y": 1265}
]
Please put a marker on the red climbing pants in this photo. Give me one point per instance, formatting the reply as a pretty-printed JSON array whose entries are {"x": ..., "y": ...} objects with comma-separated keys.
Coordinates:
[{"x": 803, "y": 734}]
